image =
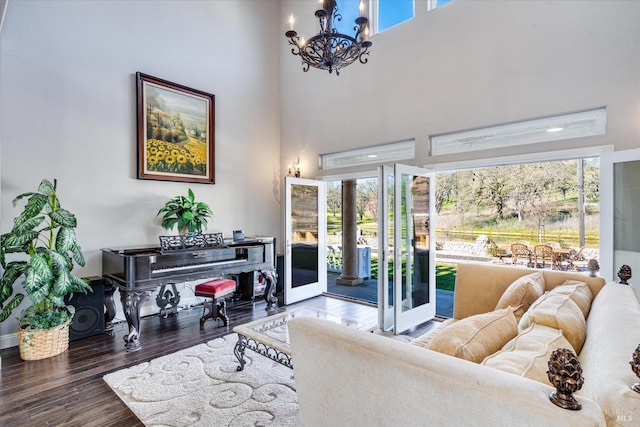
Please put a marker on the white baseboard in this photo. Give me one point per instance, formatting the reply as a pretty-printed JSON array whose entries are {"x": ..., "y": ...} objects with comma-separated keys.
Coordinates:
[{"x": 9, "y": 340}]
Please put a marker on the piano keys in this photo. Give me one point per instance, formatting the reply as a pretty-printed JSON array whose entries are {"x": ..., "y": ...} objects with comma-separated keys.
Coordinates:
[{"x": 136, "y": 272}]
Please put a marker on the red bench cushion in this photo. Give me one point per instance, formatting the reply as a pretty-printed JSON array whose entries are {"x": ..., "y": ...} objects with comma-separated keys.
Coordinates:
[{"x": 216, "y": 287}]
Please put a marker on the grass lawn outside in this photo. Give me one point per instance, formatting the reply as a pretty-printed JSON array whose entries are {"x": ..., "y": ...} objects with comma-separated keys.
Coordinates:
[{"x": 446, "y": 276}]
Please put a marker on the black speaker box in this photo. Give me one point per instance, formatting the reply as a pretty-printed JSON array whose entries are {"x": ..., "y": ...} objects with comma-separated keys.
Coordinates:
[{"x": 89, "y": 318}]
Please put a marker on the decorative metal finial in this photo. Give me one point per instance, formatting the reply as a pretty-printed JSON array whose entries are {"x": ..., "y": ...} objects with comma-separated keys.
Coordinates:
[
  {"x": 635, "y": 367},
  {"x": 624, "y": 273},
  {"x": 565, "y": 374},
  {"x": 593, "y": 266}
]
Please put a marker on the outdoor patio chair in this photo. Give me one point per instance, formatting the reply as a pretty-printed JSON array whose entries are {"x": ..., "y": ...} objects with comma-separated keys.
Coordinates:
[
  {"x": 498, "y": 252},
  {"x": 575, "y": 260},
  {"x": 554, "y": 245},
  {"x": 544, "y": 254},
  {"x": 520, "y": 251}
]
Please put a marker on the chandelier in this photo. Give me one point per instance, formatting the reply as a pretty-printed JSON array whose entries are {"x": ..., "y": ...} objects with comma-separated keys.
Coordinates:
[{"x": 331, "y": 50}]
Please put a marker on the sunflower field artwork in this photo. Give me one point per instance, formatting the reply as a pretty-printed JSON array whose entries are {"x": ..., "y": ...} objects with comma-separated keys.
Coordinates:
[{"x": 175, "y": 132}]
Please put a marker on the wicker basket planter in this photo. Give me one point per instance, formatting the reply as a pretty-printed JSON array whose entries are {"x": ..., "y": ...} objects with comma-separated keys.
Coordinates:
[{"x": 38, "y": 344}]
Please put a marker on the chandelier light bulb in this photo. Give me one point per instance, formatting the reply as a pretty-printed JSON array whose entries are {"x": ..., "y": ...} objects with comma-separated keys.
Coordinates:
[{"x": 291, "y": 21}]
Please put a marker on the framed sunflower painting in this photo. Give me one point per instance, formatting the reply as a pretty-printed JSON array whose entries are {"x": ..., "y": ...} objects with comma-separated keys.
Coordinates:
[{"x": 175, "y": 132}]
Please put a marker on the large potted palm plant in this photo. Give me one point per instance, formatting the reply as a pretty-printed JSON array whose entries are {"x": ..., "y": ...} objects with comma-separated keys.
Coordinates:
[
  {"x": 6, "y": 307},
  {"x": 6, "y": 293},
  {"x": 44, "y": 233}
]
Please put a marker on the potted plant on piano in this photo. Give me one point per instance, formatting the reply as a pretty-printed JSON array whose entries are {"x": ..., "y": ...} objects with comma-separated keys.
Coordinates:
[
  {"x": 44, "y": 233},
  {"x": 185, "y": 213}
]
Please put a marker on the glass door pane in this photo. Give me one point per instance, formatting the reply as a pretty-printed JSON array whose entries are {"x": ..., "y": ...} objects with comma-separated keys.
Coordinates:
[
  {"x": 414, "y": 261},
  {"x": 305, "y": 273}
]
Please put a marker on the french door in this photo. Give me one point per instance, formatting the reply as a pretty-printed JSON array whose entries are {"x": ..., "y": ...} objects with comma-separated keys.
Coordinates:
[
  {"x": 305, "y": 239},
  {"x": 620, "y": 214},
  {"x": 406, "y": 248}
]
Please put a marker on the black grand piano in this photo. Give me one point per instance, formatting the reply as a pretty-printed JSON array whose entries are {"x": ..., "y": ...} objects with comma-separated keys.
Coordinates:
[{"x": 136, "y": 272}]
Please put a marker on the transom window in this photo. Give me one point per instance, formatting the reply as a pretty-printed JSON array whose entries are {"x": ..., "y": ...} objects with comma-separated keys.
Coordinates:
[
  {"x": 393, "y": 12},
  {"x": 383, "y": 14}
]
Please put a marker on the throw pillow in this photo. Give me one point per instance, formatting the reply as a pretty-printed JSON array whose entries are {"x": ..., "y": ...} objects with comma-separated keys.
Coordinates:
[
  {"x": 522, "y": 293},
  {"x": 425, "y": 338},
  {"x": 559, "y": 312},
  {"x": 528, "y": 354},
  {"x": 475, "y": 337},
  {"x": 579, "y": 292}
]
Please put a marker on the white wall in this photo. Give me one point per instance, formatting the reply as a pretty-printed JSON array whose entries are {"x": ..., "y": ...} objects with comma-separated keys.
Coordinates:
[
  {"x": 69, "y": 111},
  {"x": 466, "y": 65}
]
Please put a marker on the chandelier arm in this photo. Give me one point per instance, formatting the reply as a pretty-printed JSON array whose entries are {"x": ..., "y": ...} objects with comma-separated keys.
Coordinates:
[
  {"x": 296, "y": 47},
  {"x": 362, "y": 58},
  {"x": 336, "y": 18}
]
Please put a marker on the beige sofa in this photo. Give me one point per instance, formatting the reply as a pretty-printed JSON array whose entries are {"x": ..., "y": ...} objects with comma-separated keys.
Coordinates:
[{"x": 347, "y": 377}]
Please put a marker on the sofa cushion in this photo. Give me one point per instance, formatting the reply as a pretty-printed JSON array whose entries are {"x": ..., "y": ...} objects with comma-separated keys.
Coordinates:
[
  {"x": 425, "y": 338},
  {"x": 522, "y": 293},
  {"x": 579, "y": 293},
  {"x": 528, "y": 353},
  {"x": 560, "y": 312},
  {"x": 478, "y": 336}
]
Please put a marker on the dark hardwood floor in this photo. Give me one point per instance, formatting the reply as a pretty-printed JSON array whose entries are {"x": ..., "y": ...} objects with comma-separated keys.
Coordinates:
[{"x": 68, "y": 390}]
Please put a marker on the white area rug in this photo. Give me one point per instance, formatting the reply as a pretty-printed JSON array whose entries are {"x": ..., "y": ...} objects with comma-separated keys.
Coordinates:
[{"x": 199, "y": 386}]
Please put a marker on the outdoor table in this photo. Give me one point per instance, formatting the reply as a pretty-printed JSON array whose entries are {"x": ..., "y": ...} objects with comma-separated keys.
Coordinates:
[{"x": 559, "y": 257}]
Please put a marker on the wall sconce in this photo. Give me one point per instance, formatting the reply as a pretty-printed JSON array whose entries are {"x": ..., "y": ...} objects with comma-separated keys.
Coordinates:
[{"x": 294, "y": 169}]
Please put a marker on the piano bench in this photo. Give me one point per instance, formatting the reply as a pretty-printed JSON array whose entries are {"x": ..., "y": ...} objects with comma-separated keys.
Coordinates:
[{"x": 216, "y": 290}]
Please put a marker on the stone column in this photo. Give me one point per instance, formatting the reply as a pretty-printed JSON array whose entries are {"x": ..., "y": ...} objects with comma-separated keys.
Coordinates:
[{"x": 349, "y": 274}]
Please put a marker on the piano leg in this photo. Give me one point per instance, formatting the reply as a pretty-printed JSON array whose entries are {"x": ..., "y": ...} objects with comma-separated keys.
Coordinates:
[
  {"x": 109, "y": 305},
  {"x": 270, "y": 289},
  {"x": 131, "y": 302},
  {"x": 166, "y": 297}
]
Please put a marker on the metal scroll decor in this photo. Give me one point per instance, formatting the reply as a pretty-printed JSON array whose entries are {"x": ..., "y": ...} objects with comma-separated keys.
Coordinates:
[
  {"x": 190, "y": 241},
  {"x": 274, "y": 354}
]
